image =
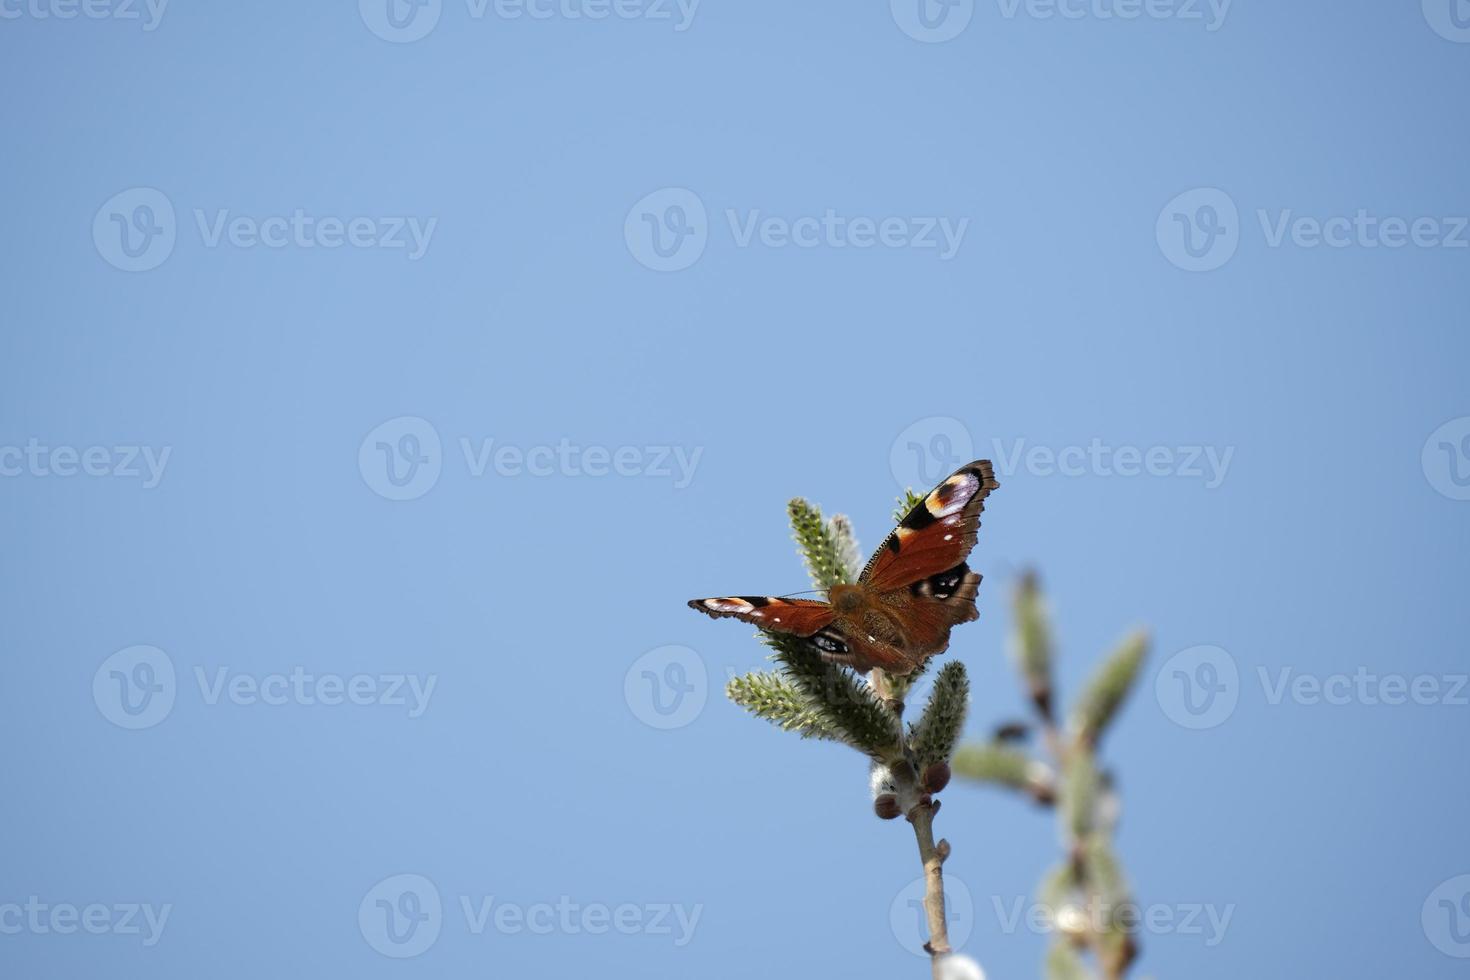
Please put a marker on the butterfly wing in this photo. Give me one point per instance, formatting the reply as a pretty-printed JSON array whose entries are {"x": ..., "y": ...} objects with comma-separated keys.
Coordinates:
[
  {"x": 806, "y": 618},
  {"x": 936, "y": 535},
  {"x": 800, "y": 617},
  {"x": 920, "y": 570}
]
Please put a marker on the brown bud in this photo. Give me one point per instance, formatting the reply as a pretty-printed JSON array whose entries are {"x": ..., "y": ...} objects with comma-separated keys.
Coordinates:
[
  {"x": 936, "y": 776},
  {"x": 886, "y": 806}
]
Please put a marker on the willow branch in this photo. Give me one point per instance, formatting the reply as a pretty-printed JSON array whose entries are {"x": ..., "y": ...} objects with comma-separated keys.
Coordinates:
[{"x": 932, "y": 855}]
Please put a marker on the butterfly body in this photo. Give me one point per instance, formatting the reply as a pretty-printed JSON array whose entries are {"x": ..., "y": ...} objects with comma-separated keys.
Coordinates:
[{"x": 915, "y": 588}]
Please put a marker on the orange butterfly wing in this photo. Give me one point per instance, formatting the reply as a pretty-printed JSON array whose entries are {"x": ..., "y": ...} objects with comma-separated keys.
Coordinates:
[
  {"x": 801, "y": 617},
  {"x": 936, "y": 534}
]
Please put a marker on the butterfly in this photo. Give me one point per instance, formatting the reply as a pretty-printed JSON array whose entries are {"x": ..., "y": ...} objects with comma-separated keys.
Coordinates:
[{"x": 912, "y": 592}]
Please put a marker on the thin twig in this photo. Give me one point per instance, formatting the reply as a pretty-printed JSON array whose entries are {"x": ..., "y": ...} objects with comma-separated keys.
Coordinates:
[
  {"x": 932, "y": 855},
  {"x": 920, "y": 808}
]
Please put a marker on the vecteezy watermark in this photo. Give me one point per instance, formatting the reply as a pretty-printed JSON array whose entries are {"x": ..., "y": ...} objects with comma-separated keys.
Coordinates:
[
  {"x": 908, "y": 921},
  {"x": 137, "y": 687},
  {"x": 1199, "y": 687},
  {"x": 1206, "y": 463},
  {"x": 1450, "y": 19},
  {"x": 402, "y": 458},
  {"x": 935, "y": 21},
  {"x": 667, "y": 687},
  {"x": 932, "y": 21},
  {"x": 568, "y": 917},
  {"x": 299, "y": 687},
  {"x": 1210, "y": 13},
  {"x": 405, "y": 21},
  {"x": 136, "y": 230},
  {"x": 403, "y": 915},
  {"x": 932, "y": 448},
  {"x": 39, "y": 460},
  {"x": 1446, "y": 917},
  {"x": 1095, "y": 915},
  {"x": 1200, "y": 230},
  {"x": 37, "y": 918},
  {"x": 1446, "y": 459},
  {"x": 669, "y": 229},
  {"x": 149, "y": 13}
]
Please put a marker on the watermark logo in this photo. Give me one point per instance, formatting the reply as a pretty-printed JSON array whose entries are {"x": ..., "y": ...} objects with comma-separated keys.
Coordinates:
[
  {"x": 1211, "y": 13},
  {"x": 40, "y": 460},
  {"x": 1449, "y": 18},
  {"x": 1208, "y": 464},
  {"x": 667, "y": 687},
  {"x": 411, "y": 692},
  {"x": 570, "y": 917},
  {"x": 405, "y": 21},
  {"x": 1446, "y": 459},
  {"x": 1446, "y": 917},
  {"x": 930, "y": 450},
  {"x": 401, "y": 916},
  {"x": 909, "y": 922},
  {"x": 135, "y": 687},
  {"x": 667, "y": 230},
  {"x": 1201, "y": 686},
  {"x": 401, "y": 459},
  {"x": 1363, "y": 687},
  {"x": 1198, "y": 687},
  {"x": 1199, "y": 230},
  {"x": 1096, "y": 915},
  {"x": 400, "y": 21},
  {"x": 37, "y": 918},
  {"x": 135, "y": 229},
  {"x": 932, "y": 21},
  {"x": 148, "y": 12}
]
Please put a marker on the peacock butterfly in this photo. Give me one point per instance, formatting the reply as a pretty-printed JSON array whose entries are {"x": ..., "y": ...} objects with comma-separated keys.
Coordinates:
[{"x": 914, "y": 589}]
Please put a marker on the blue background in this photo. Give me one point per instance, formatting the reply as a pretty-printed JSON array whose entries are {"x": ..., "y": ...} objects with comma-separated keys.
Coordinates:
[{"x": 529, "y": 320}]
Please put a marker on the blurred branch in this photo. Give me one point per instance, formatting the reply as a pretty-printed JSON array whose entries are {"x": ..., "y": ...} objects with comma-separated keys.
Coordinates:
[
  {"x": 1107, "y": 689},
  {"x": 1090, "y": 876}
]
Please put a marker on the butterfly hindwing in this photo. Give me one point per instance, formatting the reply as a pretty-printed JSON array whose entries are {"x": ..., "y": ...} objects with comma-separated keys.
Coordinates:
[
  {"x": 939, "y": 603},
  {"x": 800, "y": 617}
]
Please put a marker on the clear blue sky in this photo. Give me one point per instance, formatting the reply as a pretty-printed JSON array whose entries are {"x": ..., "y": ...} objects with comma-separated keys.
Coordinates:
[{"x": 605, "y": 293}]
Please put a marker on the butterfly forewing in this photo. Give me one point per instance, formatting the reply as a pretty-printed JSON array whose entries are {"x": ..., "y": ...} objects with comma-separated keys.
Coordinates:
[
  {"x": 801, "y": 617},
  {"x": 936, "y": 534}
]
